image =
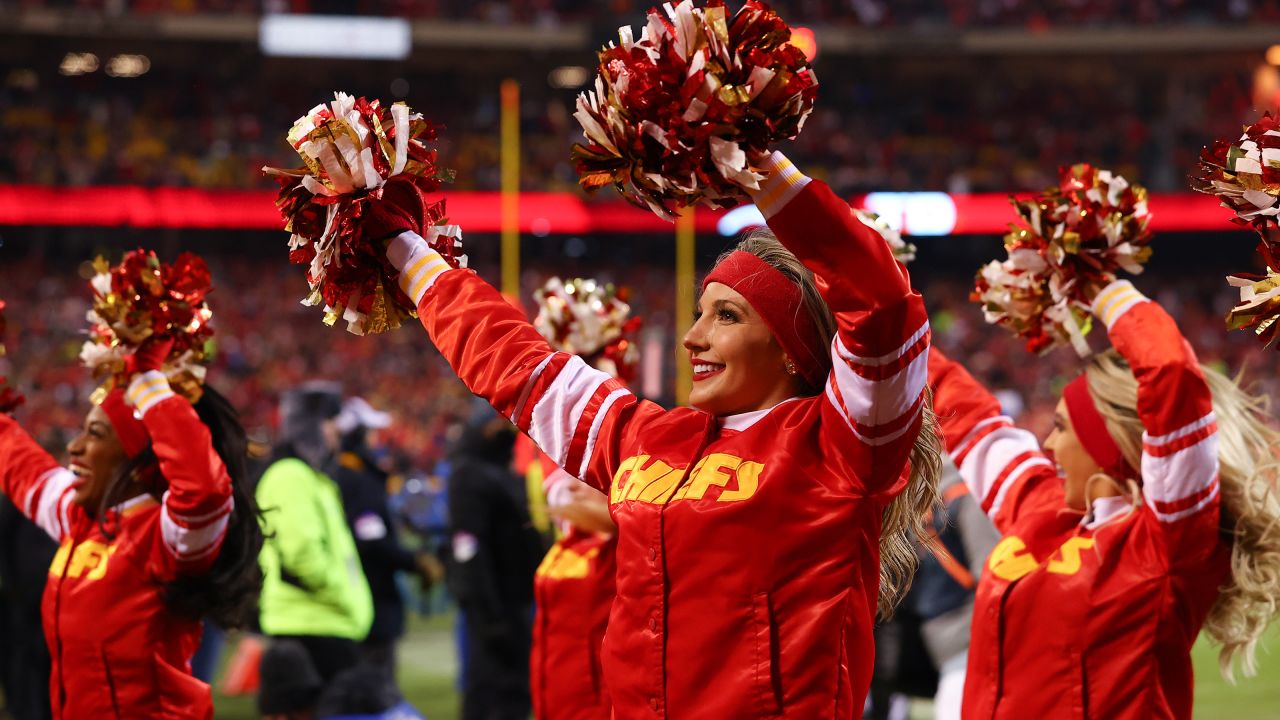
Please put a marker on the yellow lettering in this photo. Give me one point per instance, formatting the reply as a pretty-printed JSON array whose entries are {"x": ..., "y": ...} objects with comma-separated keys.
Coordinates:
[
  {"x": 59, "y": 563},
  {"x": 566, "y": 564},
  {"x": 645, "y": 479},
  {"x": 659, "y": 491},
  {"x": 548, "y": 560},
  {"x": 1069, "y": 564},
  {"x": 711, "y": 471},
  {"x": 623, "y": 476},
  {"x": 89, "y": 559},
  {"x": 1009, "y": 559},
  {"x": 748, "y": 482},
  {"x": 642, "y": 477}
]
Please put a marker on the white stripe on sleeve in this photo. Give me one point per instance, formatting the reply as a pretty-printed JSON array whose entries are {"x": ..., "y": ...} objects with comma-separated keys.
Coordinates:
[{"x": 557, "y": 414}]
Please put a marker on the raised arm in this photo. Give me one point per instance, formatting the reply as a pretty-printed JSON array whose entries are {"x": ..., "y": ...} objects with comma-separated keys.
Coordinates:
[
  {"x": 1003, "y": 465},
  {"x": 1180, "y": 445},
  {"x": 876, "y": 388},
  {"x": 197, "y": 506},
  {"x": 574, "y": 412},
  {"x": 34, "y": 481}
]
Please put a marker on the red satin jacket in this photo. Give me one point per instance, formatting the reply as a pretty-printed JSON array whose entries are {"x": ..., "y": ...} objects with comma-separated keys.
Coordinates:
[
  {"x": 574, "y": 589},
  {"x": 748, "y": 556},
  {"x": 1093, "y": 617},
  {"x": 118, "y": 652}
]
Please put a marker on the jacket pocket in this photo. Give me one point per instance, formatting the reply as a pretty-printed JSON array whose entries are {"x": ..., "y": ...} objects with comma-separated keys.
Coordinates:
[
  {"x": 111, "y": 683},
  {"x": 593, "y": 660},
  {"x": 767, "y": 683}
]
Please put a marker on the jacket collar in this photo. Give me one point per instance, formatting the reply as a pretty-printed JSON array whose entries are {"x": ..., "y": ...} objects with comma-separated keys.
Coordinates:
[
  {"x": 743, "y": 421},
  {"x": 135, "y": 504},
  {"x": 1105, "y": 510}
]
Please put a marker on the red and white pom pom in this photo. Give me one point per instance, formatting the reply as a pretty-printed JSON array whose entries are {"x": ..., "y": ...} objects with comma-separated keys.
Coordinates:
[
  {"x": 903, "y": 251},
  {"x": 591, "y": 320},
  {"x": 1245, "y": 174},
  {"x": 1069, "y": 242},
  {"x": 140, "y": 298},
  {"x": 350, "y": 148},
  {"x": 675, "y": 116}
]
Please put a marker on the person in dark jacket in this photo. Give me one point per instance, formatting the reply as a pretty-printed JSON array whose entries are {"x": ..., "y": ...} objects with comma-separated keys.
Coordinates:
[
  {"x": 364, "y": 498},
  {"x": 923, "y": 650},
  {"x": 495, "y": 551},
  {"x": 25, "y": 554}
]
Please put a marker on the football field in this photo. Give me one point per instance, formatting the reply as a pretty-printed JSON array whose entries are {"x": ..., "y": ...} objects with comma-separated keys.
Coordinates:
[{"x": 428, "y": 664}]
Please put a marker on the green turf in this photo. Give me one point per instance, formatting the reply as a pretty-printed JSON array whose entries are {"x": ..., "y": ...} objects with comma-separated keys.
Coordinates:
[
  {"x": 1256, "y": 698},
  {"x": 427, "y": 668}
]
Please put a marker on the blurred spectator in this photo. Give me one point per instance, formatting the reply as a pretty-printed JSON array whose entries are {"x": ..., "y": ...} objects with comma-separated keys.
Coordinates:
[
  {"x": 364, "y": 498},
  {"x": 942, "y": 593},
  {"x": 495, "y": 551},
  {"x": 314, "y": 591},
  {"x": 25, "y": 554},
  {"x": 290, "y": 684},
  {"x": 1035, "y": 14},
  {"x": 297, "y": 693}
]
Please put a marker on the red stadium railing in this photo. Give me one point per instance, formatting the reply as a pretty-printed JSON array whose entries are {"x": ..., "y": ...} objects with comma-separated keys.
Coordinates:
[{"x": 540, "y": 213}]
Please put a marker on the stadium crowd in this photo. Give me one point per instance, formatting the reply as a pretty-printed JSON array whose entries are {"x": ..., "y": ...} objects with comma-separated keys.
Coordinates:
[
  {"x": 872, "y": 131},
  {"x": 866, "y": 13}
]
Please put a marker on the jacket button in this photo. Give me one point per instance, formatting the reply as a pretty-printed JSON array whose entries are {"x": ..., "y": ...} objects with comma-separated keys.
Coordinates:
[
  {"x": 653, "y": 704},
  {"x": 653, "y": 627},
  {"x": 653, "y": 555}
]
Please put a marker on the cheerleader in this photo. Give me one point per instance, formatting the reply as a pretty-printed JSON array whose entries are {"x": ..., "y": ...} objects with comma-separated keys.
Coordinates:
[
  {"x": 1149, "y": 514},
  {"x": 760, "y": 529},
  {"x": 156, "y": 532},
  {"x": 574, "y": 585}
]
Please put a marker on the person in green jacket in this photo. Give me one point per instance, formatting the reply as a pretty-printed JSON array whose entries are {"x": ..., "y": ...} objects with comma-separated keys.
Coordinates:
[{"x": 314, "y": 590}]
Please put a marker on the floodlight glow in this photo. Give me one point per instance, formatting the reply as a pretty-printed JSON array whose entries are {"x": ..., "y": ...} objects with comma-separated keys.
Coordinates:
[
  {"x": 335, "y": 36},
  {"x": 128, "y": 66},
  {"x": 78, "y": 64}
]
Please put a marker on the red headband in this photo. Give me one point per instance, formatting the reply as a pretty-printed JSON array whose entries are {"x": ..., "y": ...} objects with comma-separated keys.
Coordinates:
[
  {"x": 132, "y": 433},
  {"x": 780, "y": 303},
  {"x": 1092, "y": 430}
]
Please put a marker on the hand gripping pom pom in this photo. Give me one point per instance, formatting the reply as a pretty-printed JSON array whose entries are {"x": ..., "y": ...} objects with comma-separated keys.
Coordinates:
[
  {"x": 352, "y": 148},
  {"x": 1070, "y": 242},
  {"x": 1245, "y": 176},
  {"x": 675, "y": 116},
  {"x": 591, "y": 320},
  {"x": 10, "y": 399},
  {"x": 143, "y": 298}
]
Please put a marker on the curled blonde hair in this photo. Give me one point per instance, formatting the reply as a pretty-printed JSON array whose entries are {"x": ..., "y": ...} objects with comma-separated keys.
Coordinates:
[
  {"x": 1249, "y": 459},
  {"x": 903, "y": 524}
]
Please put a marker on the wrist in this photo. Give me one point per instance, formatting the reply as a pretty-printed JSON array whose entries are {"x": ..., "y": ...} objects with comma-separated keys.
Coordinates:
[
  {"x": 783, "y": 181},
  {"x": 418, "y": 264},
  {"x": 1114, "y": 300},
  {"x": 148, "y": 389}
]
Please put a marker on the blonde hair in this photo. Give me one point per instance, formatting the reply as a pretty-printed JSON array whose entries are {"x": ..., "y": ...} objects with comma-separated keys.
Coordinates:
[
  {"x": 1248, "y": 448},
  {"x": 903, "y": 524}
]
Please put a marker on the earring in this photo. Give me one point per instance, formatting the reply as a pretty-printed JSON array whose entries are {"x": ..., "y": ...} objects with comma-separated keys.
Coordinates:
[{"x": 791, "y": 367}]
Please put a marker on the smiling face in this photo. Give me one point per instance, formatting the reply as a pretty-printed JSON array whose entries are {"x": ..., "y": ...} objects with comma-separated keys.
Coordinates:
[
  {"x": 738, "y": 366},
  {"x": 96, "y": 455}
]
